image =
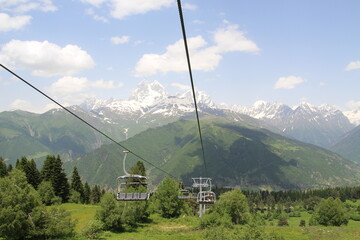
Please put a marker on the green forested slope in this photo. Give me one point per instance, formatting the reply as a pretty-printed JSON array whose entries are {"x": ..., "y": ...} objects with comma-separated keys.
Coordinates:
[
  {"x": 348, "y": 146},
  {"x": 236, "y": 154}
]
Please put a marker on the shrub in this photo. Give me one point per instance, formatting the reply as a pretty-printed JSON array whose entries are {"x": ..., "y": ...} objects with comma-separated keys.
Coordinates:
[
  {"x": 283, "y": 221},
  {"x": 92, "y": 229},
  {"x": 109, "y": 213},
  {"x": 330, "y": 212},
  {"x": 167, "y": 199},
  {"x": 235, "y": 204},
  {"x": 302, "y": 223}
]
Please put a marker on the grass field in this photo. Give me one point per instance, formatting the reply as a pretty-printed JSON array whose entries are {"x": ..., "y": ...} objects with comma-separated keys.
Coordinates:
[{"x": 186, "y": 227}]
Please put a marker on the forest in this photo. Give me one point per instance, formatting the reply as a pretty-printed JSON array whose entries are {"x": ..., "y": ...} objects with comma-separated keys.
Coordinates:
[{"x": 47, "y": 204}]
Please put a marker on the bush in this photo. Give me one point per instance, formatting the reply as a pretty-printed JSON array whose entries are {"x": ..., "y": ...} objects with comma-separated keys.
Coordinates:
[
  {"x": 54, "y": 223},
  {"x": 75, "y": 196},
  {"x": 92, "y": 229},
  {"x": 167, "y": 199},
  {"x": 215, "y": 219},
  {"x": 330, "y": 212},
  {"x": 235, "y": 204},
  {"x": 302, "y": 223},
  {"x": 216, "y": 233},
  {"x": 283, "y": 221},
  {"x": 109, "y": 213},
  {"x": 47, "y": 194}
]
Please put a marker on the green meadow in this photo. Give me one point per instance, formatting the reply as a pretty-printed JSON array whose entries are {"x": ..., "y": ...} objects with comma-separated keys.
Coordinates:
[{"x": 187, "y": 227}]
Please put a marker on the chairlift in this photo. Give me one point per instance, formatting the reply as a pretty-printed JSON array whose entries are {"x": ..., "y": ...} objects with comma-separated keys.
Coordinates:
[
  {"x": 128, "y": 182},
  {"x": 206, "y": 197},
  {"x": 186, "y": 194}
]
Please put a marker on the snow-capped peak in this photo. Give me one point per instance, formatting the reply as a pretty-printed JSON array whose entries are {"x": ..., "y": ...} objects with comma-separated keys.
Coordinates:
[
  {"x": 201, "y": 98},
  {"x": 148, "y": 94}
]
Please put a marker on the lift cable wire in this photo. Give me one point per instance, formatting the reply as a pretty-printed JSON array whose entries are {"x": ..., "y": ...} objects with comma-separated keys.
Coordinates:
[
  {"x": 84, "y": 121},
  {"x": 192, "y": 82}
]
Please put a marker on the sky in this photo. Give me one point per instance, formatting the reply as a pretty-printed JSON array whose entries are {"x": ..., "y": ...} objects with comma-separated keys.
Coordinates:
[{"x": 241, "y": 51}]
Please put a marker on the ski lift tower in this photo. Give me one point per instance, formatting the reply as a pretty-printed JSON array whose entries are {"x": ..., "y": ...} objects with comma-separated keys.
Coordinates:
[{"x": 205, "y": 195}]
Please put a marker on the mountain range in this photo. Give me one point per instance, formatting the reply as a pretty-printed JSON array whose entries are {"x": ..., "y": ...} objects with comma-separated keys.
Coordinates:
[
  {"x": 150, "y": 109},
  {"x": 150, "y": 104}
]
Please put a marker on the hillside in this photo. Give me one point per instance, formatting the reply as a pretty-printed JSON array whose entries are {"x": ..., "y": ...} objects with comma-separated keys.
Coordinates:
[
  {"x": 348, "y": 146},
  {"x": 236, "y": 155},
  {"x": 54, "y": 132}
]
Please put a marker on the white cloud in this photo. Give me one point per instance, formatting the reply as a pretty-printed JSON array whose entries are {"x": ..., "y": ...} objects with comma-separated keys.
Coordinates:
[
  {"x": 8, "y": 23},
  {"x": 124, "y": 8},
  {"x": 138, "y": 42},
  {"x": 353, "y": 65},
  {"x": 353, "y": 104},
  {"x": 120, "y": 40},
  {"x": 96, "y": 17},
  {"x": 95, "y": 3},
  {"x": 20, "y": 104},
  {"x": 174, "y": 59},
  {"x": 102, "y": 84},
  {"x": 231, "y": 39},
  {"x": 197, "y": 21},
  {"x": 181, "y": 86},
  {"x": 189, "y": 6},
  {"x": 288, "y": 82},
  {"x": 203, "y": 57},
  {"x": 44, "y": 58},
  {"x": 70, "y": 85},
  {"x": 22, "y": 6}
]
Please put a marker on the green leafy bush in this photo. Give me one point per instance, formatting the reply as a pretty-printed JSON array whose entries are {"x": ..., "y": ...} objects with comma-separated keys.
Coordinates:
[
  {"x": 330, "y": 212},
  {"x": 92, "y": 230}
]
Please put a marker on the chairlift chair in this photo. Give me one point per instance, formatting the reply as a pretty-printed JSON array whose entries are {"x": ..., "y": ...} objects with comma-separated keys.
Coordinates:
[
  {"x": 206, "y": 197},
  {"x": 128, "y": 181},
  {"x": 186, "y": 194}
]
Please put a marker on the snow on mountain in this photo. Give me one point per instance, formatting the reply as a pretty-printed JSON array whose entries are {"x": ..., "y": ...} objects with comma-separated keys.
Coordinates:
[
  {"x": 353, "y": 116},
  {"x": 148, "y": 94},
  {"x": 150, "y": 102},
  {"x": 150, "y": 98},
  {"x": 319, "y": 125}
]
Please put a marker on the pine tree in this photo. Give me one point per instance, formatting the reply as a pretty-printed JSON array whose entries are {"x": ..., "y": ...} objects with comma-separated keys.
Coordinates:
[
  {"x": 34, "y": 174},
  {"x": 95, "y": 194},
  {"x": 30, "y": 170},
  {"x": 87, "y": 193},
  {"x": 52, "y": 171},
  {"x": 3, "y": 168},
  {"x": 138, "y": 168},
  {"x": 9, "y": 168},
  {"x": 76, "y": 184}
]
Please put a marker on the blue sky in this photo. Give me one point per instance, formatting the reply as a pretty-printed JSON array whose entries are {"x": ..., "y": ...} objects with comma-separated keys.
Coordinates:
[{"x": 241, "y": 51}]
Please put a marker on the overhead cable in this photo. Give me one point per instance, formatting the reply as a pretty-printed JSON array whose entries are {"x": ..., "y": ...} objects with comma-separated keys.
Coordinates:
[{"x": 192, "y": 82}]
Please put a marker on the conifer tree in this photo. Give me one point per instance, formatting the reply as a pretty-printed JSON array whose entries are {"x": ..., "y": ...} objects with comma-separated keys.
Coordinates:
[
  {"x": 9, "y": 168},
  {"x": 3, "y": 168},
  {"x": 95, "y": 194},
  {"x": 34, "y": 174},
  {"x": 87, "y": 193},
  {"x": 76, "y": 183},
  {"x": 52, "y": 171},
  {"x": 30, "y": 170}
]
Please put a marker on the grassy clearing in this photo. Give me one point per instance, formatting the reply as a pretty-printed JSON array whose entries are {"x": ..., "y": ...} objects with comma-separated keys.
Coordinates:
[{"x": 186, "y": 228}]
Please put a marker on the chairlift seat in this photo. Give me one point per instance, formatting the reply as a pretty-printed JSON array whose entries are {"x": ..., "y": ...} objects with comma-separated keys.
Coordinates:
[{"x": 132, "y": 196}]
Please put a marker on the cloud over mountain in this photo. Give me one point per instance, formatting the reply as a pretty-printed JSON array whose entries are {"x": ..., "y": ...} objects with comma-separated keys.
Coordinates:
[
  {"x": 45, "y": 59},
  {"x": 203, "y": 57}
]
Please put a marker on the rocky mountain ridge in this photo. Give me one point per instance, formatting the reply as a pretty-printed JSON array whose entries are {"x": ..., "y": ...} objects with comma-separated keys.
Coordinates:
[{"x": 321, "y": 125}]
